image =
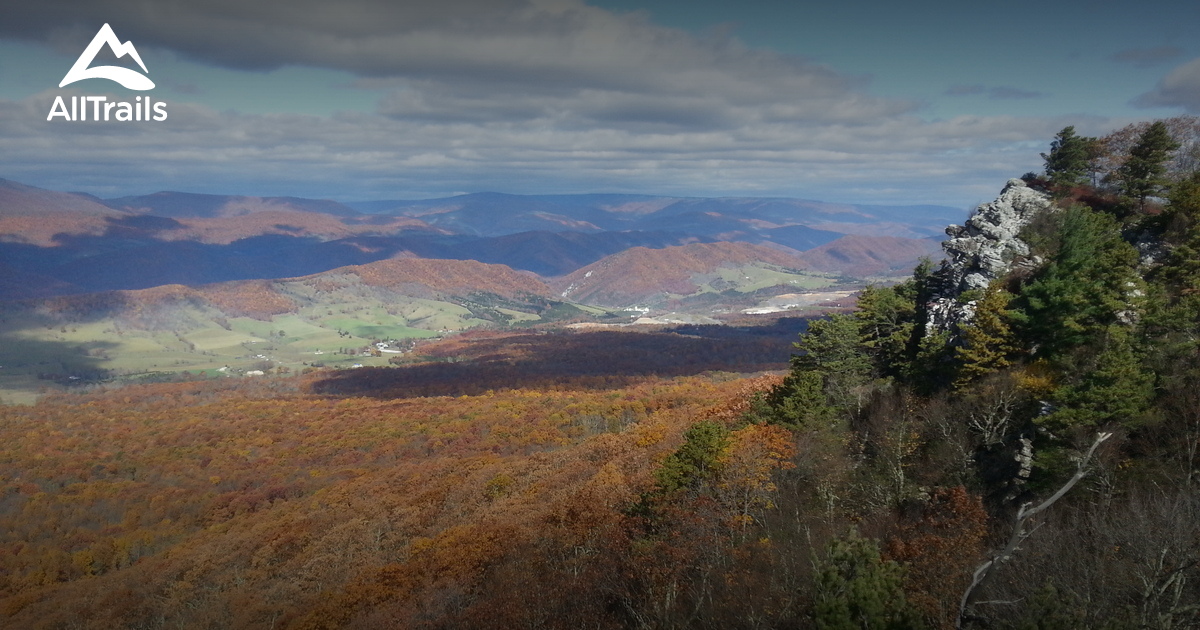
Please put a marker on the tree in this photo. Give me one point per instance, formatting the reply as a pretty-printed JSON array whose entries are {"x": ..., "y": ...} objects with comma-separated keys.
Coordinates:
[
  {"x": 1069, "y": 161},
  {"x": 748, "y": 465},
  {"x": 799, "y": 401},
  {"x": 1117, "y": 145},
  {"x": 888, "y": 324},
  {"x": 1088, "y": 282},
  {"x": 988, "y": 341},
  {"x": 1020, "y": 534},
  {"x": 829, "y": 368},
  {"x": 857, "y": 589},
  {"x": 1117, "y": 388},
  {"x": 832, "y": 346},
  {"x": 1178, "y": 279},
  {"x": 1144, "y": 172},
  {"x": 697, "y": 461}
]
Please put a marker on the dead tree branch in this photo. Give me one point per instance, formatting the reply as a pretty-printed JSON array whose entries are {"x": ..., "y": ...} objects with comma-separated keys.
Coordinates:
[{"x": 1019, "y": 534}]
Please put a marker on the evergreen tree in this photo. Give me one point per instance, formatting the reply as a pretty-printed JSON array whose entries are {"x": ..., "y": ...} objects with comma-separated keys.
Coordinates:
[
  {"x": 889, "y": 326},
  {"x": 799, "y": 401},
  {"x": 1176, "y": 284},
  {"x": 1117, "y": 388},
  {"x": 856, "y": 589},
  {"x": 1144, "y": 172},
  {"x": 1069, "y": 159},
  {"x": 1089, "y": 280},
  {"x": 988, "y": 341},
  {"x": 830, "y": 365},
  {"x": 697, "y": 460},
  {"x": 832, "y": 346}
]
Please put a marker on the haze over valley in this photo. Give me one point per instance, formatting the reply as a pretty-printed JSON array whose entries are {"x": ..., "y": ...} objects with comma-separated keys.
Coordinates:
[{"x": 123, "y": 288}]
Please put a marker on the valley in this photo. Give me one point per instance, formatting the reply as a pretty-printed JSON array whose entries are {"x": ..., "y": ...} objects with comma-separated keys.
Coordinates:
[{"x": 182, "y": 286}]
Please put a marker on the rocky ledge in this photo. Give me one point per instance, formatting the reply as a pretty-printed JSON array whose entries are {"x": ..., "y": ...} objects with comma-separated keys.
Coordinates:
[{"x": 984, "y": 249}]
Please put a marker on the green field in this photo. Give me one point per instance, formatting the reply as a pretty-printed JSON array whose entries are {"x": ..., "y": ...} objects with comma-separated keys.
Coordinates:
[
  {"x": 43, "y": 350},
  {"x": 40, "y": 353},
  {"x": 753, "y": 278}
]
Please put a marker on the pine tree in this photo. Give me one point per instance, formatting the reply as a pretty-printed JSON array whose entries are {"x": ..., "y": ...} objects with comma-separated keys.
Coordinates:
[
  {"x": 856, "y": 589},
  {"x": 1069, "y": 159},
  {"x": 988, "y": 341},
  {"x": 832, "y": 346},
  {"x": 889, "y": 325},
  {"x": 1117, "y": 388},
  {"x": 830, "y": 365},
  {"x": 1081, "y": 290},
  {"x": 1177, "y": 282},
  {"x": 1143, "y": 174},
  {"x": 695, "y": 462}
]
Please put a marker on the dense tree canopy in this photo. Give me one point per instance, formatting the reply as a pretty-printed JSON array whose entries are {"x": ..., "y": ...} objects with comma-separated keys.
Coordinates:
[{"x": 868, "y": 487}]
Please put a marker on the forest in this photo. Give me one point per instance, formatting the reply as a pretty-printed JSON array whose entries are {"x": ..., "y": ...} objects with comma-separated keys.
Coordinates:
[{"x": 1030, "y": 464}]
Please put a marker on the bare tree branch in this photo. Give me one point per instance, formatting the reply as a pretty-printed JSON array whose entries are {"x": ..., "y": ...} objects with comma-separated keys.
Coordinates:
[{"x": 1020, "y": 534}]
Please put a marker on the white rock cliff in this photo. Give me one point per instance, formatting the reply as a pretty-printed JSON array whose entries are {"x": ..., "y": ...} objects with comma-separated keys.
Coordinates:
[{"x": 984, "y": 249}]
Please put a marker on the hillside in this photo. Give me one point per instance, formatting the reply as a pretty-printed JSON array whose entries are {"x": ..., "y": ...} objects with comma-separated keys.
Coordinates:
[
  {"x": 256, "y": 505},
  {"x": 702, "y": 271},
  {"x": 454, "y": 277},
  {"x": 57, "y": 243},
  {"x": 867, "y": 256},
  {"x": 34, "y": 216},
  {"x": 330, "y": 318}
]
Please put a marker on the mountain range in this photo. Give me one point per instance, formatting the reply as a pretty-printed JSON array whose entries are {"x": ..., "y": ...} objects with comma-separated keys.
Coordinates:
[
  {"x": 135, "y": 287},
  {"x": 55, "y": 243}
]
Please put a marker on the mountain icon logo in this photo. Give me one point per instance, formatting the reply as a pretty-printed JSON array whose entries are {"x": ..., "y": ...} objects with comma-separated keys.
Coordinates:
[{"x": 126, "y": 77}]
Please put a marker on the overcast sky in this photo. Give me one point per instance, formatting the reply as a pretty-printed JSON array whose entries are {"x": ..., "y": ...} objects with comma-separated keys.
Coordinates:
[{"x": 865, "y": 102}]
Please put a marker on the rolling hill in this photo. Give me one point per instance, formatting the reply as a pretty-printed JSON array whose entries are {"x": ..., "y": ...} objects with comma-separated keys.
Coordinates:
[
  {"x": 871, "y": 256},
  {"x": 333, "y": 318},
  {"x": 642, "y": 276},
  {"x": 55, "y": 243},
  {"x": 751, "y": 219}
]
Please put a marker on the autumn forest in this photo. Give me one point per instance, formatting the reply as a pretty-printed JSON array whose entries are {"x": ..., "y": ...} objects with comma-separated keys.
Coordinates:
[{"x": 993, "y": 442}]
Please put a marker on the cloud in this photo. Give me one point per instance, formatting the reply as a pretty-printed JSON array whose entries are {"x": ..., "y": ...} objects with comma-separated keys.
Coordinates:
[
  {"x": 1004, "y": 92},
  {"x": 529, "y": 47},
  {"x": 554, "y": 63},
  {"x": 1147, "y": 57},
  {"x": 368, "y": 155},
  {"x": 521, "y": 96},
  {"x": 1180, "y": 88},
  {"x": 995, "y": 93}
]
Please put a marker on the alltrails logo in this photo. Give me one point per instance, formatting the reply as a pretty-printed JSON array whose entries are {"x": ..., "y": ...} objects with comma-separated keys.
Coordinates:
[{"x": 102, "y": 108}]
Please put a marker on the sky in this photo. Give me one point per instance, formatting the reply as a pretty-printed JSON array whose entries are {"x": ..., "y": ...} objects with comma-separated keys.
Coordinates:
[{"x": 926, "y": 101}]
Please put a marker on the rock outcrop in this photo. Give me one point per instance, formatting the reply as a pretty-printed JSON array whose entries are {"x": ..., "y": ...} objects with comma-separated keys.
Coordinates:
[{"x": 984, "y": 249}]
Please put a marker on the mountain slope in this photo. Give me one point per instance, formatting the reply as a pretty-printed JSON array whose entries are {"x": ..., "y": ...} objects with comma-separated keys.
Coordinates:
[
  {"x": 639, "y": 275},
  {"x": 194, "y": 205},
  {"x": 730, "y": 218},
  {"x": 863, "y": 256},
  {"x": 37, "y": 216}
]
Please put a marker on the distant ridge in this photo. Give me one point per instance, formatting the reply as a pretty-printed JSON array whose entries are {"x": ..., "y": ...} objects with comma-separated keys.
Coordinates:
[
  {"x": 871, "y": 255},
  {"x": 195, "y": 205},
  {"x": 261, "y": 299},
  {"x": 752, "y": 218},
  {"x": 36, "y": 216},
  {"x": 54, "y": 243},
  {"x": 639, "y": 274}
]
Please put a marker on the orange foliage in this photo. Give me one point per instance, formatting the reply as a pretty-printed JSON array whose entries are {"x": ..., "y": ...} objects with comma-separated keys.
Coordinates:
[
  {"x": 451, "y": 276},
  {"x": 250, "y": 504},
  {"x": 940, "y": 548},
  {"x": 251, "y": 298}
]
